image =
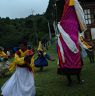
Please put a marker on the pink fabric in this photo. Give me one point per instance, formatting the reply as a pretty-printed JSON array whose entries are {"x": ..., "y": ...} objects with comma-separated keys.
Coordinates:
[{"x": 69, "y": 23}]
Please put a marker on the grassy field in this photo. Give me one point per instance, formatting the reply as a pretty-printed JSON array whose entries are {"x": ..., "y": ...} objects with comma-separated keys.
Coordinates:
[{"x": 49, "y": 83}]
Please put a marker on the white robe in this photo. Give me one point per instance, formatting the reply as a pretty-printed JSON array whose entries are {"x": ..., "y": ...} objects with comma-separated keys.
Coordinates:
[{"x": 21, "y": 83}]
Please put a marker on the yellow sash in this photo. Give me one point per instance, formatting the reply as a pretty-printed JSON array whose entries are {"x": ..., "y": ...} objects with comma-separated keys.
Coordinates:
[
  {"x": 71, "y": 3},
  {"x": 20, "y": 61}
]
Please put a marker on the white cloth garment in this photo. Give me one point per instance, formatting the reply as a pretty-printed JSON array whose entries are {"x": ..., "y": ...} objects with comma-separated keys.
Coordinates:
[
  {"x": 21, "y": 83},
  {"x": 61, "y": 49},
  {"x": 69, "y": 42},
  {"x": 80, "y": 15}
]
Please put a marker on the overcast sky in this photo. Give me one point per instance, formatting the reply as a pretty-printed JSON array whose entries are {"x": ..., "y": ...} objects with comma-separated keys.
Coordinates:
[{"x": 22, "y": 8}]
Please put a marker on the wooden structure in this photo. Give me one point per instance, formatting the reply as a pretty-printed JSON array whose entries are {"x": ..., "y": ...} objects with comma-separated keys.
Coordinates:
[{"x": 89, "y": 11}]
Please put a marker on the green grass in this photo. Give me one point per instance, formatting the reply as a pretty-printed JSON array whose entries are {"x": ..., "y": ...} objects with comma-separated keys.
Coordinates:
[{"x": 49, "y": 83}]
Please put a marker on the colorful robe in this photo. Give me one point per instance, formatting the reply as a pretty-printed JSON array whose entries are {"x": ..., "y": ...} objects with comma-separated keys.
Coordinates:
[
  {"x": 21, "y": 83},
  {"x": 69, "y": 59},
  {"x": 20, "y": 60}
]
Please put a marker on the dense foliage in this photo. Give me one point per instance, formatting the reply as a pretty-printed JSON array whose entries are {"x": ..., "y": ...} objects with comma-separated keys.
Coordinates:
[
  {"x": 13, "y": 30},
  {"x": 32, "y": 27},
  {"x": 54, "y": 10}
]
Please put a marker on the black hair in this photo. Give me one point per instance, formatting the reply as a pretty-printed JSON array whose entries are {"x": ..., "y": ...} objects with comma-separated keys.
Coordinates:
[{"x": 24, "y": 42}]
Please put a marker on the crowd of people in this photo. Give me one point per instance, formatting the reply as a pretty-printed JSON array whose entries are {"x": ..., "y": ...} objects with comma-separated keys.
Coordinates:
[
  {"x": 22, "y": 61},
  {"x": 22, "y": 65},
  {"x": 70, "y": 60}
]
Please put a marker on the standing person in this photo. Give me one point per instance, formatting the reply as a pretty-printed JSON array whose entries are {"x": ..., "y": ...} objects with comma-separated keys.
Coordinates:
[
  {"x": 21, "y": 82},
  {"x": 41, "y": 60},
  {"x": 47, "y": 55},
  {"x": 45, "y": 43},
  {"x": 90, "y": 52},
  {"x": 69, "y": 59}
]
